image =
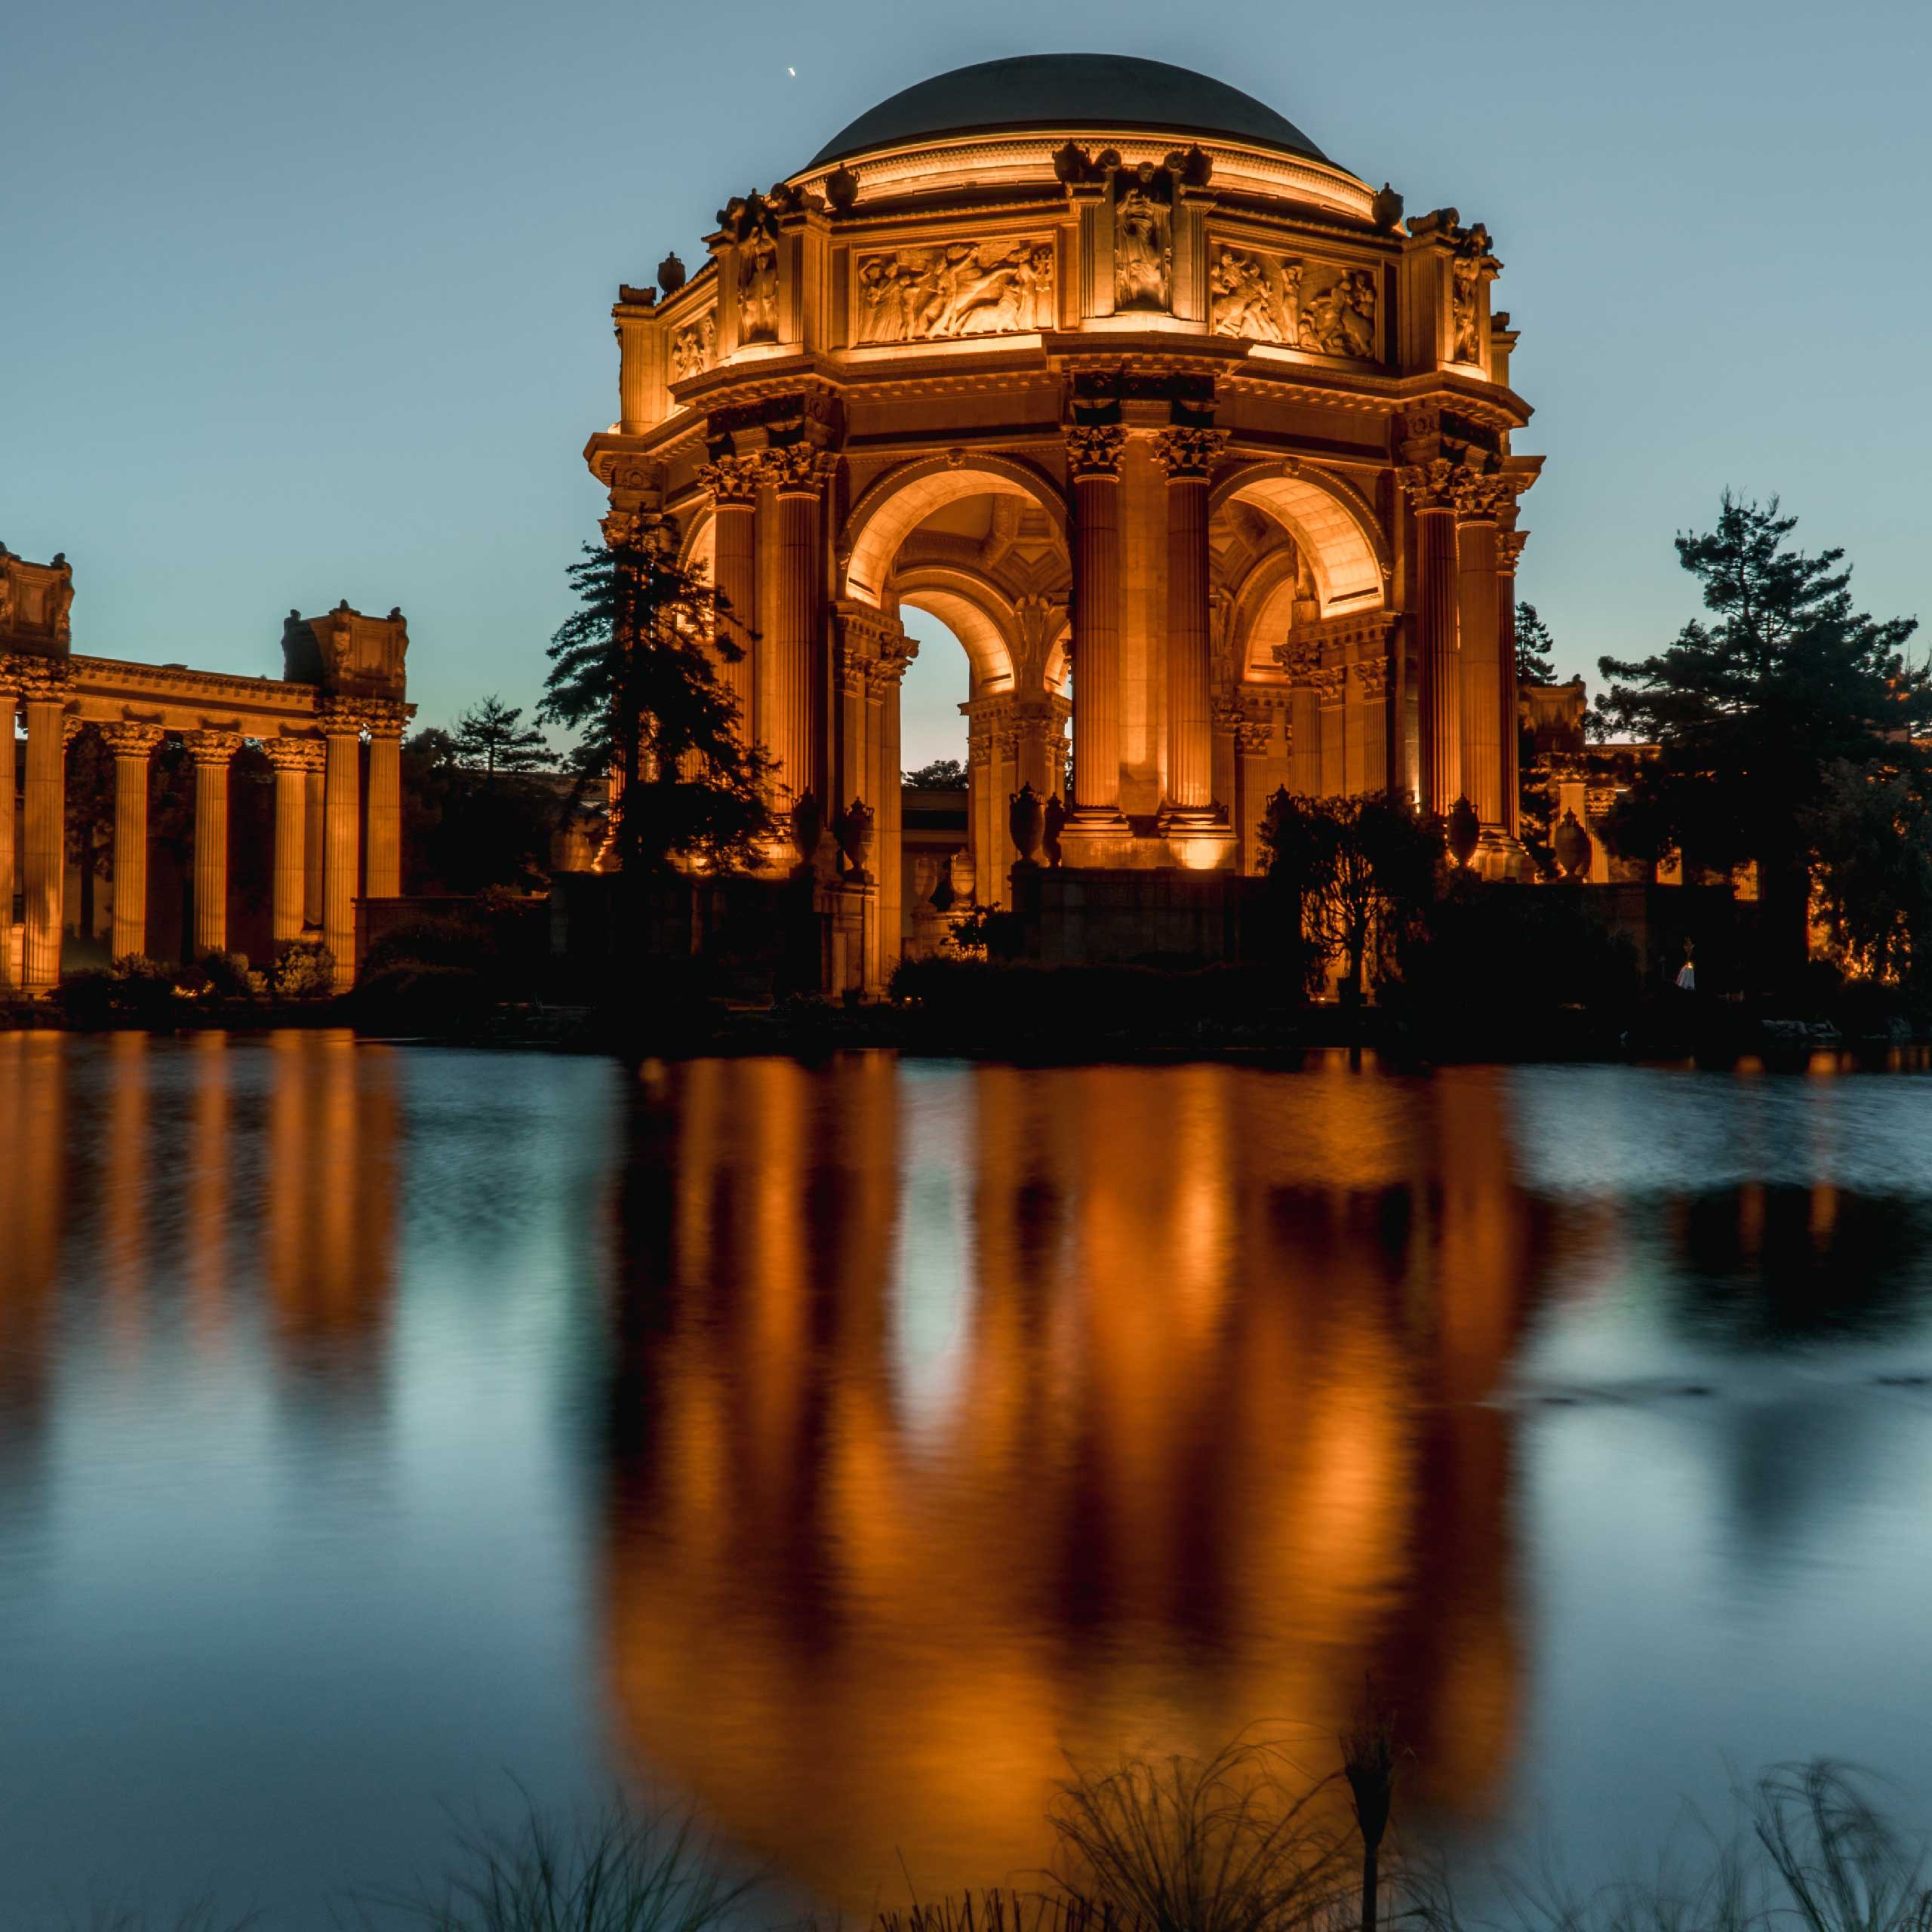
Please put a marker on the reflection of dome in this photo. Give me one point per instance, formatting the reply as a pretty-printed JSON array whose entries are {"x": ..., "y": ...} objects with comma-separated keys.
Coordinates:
[{"x": 1070, "y": 93}]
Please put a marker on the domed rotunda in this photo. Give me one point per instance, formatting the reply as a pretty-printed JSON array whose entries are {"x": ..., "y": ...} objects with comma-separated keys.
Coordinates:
[{"x": 1195, "y": 443}]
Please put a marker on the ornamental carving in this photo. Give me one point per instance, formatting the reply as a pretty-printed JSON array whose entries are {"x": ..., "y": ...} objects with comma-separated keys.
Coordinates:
[
  {"x": 1509, "y": 549},
  {"x": 1252, "y": 735},
  {"x": 751, "y": 221},
  {"x": 731, "y": 479},
  {"x": 1314, "y": 305},
  {"x": 1469, "y": 268},
  {"x": 1481, "y": 499},
  {"x": 294, "y": 754},
  {"x": 212, "y": 748},
  {"x": 796, "y": 469},
  {"x": 38, "y": 680},
  {"x": 694, "y": 347},
  {"x": 126, "y": 738},
  {"x": 1189, "y": 452},
  {"x": 1143, "y": 238},
  {"x": 1328, "y": 683},
  {"x": 1094, "y": 449},
  {"x": 963, "y": 288},
  {"x": 1434, "y": 485},
  {"x": 1372, "y": 677},
  {"x": 1300, "y": 661}
]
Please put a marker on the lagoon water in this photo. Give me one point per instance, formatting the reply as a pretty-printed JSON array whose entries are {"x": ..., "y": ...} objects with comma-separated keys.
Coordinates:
[{"x": 839, "y": 1448}]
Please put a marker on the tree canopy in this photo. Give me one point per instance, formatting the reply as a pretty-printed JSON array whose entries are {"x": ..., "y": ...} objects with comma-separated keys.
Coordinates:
[
  {"x": 943, "y": 774},
  {"x": 1752, "y": 708},
  {"x": 633, "y": 671},
  {"x": 1536, "y": 661},
  {"x": 493, "y": 735}
]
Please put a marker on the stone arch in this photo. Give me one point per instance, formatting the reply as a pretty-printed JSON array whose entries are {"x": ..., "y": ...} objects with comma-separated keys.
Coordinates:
[
  {"x": 894, "y": 505},
  {"x": 973, "y": 611},
  {"x": 699, "y": 544},
  {"x": 1263, "y": 604},
  {"x": 1344, "y": 548}
]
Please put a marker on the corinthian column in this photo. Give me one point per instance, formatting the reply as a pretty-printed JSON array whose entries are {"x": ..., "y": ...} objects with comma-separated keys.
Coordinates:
[
  {"x": 9, "y": 705},
  {"x": 1189, "y": 456},
  {"x": 342, "y": 814},
  {"x": 44, "y": 686},
  {"x": 791, "y": 666},
  {"x": 1508, "y": 550},
  {"x": 385, "y": 854},
  {"x": 293, "y": 759},
  {"x": 1477, "y": 621},
  {"x": 212, "y": 752},
  {"x": 1432, "y": 487},
  {"x": 133, "y": 745},
  {"x": 1093, "y": 460},
  {"x": 315, "y": 821},
  {"x": 733, "y": 481}
]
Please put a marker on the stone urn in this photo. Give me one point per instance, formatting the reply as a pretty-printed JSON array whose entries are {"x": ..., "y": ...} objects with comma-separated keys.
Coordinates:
[
  {"x": 807, "y": 823},
  {"x": 1027, "y": 819},
  {"x": 963, "y": 875},
  {"x": 671, "y": 274},
  {"x": 1573, "y": 848},
  {"x": 1052, "y": 819},
  {"x": 1465, "y": 831},
  {"x": 855, "y": 841}
]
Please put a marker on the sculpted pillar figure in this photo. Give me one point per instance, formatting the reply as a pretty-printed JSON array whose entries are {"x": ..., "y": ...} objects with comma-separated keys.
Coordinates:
[
  {"x": 1093, "y": 455},
  {"x": 1509, "y": 551},
  {"x": 1189, "y": 456},
  {"x": 212, "y": 752},
  {"x": 294, "y": 760},
  {"x": 1432, "y": 487},
  {"x": 791, "y": 666},
  {"x": 1479, "y": 503},
  {"x": 44, "y": 684},
  {"x": 133, "y": 745},
  {"x": 384, "y": 865},
  {"x": 342, "y": 814},
  {"x": 9, "y": 705},
  {"x": 732, "y": 482}
]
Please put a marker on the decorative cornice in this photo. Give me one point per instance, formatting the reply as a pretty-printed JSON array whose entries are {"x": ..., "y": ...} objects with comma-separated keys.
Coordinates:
[
  {"x": 1189, "y": 453},
  {"x": 1094, "y": 451}
]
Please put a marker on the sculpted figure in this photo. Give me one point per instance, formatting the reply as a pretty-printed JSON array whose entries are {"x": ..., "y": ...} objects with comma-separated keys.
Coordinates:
[
  {"x": 1296, "y": 327},
  {"x": 691, "y": 348},
  {"x": 1143, "y": 255},
  {"x": 1358, "y": 317},
  {"x": 60, "y": 597},
  {"x": 1243, "y": 303},
  {"x": 878, "y": 300},
  {"x": 1324, "y": 316},
  {"x": 758, "y": 291},
  {"x": 7, "y": 595}
]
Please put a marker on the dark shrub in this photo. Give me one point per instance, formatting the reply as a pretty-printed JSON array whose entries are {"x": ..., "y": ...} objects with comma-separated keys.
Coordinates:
[
  {"x": 226, "y": 974},
  {"x": 303, "y": 969},
  {"x": 413, "y": 996},
  {"x": 87, "y": 997}
]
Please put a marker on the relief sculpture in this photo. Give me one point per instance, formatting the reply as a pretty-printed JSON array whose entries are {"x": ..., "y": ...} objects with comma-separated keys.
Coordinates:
[
  {"x": 964, "y": 288},
  {"x": 692, "y": 347},
  {"x": 1303, "y": 305}
]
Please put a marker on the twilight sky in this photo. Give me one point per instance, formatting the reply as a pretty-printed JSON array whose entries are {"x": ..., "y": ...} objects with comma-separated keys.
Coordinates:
[{"x": 302, "y": 303}]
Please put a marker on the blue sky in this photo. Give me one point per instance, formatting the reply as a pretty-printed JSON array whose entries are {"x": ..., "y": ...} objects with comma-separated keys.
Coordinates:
[{"x": 307, "y": 302}]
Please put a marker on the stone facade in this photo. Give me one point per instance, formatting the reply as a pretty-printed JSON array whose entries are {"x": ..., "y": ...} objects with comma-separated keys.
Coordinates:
[{"x": 1194, "y": 442}]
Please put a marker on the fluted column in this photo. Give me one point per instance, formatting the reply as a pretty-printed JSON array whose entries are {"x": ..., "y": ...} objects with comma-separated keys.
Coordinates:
[
  {"x": 1094, "y": 455},
  {"x": 1302, "y": 663},
  {"x": 212, "y": 752},
  {"x": 385, "y": 858},
  {"x": 1477, "y": 622},
  {"x": 1508, "y": 550},
  {"x": 1432, "y": 487},
  {"x": 43, "y": 687},
  {"x": 1252, "y": 745},
  {"x": 293, "y": 759},
  {"x": 791, "y": 696},
  {"x": 9, "y": 705},
  {"x": 889, "y": 673},
  {"x": 342, "y": 815},
  {"x": 1372, "y": 683},
  {"x": 315, "y": 823},
  {"x": 1188, "y": 456},
  {"x": 733, "y": 481},
  {"x": 133, "y": 745}
]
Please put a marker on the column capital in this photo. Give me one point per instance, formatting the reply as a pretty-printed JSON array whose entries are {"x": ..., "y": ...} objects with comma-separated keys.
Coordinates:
[
  {"x": 127, "y": 737},
  {"x": 1433, "y": 487},
  {"x": 1252, "y": 735},
  {"x": 212, "y": 747},
  {"x": 1300, "y": 660},
  {"x": 1482, "y": 499},
  {"x": 1189, "y": 455},
  {"x": 38, "y": 680},
  {"x": 732, "y": 479},
  {"x": 1329, "y": 682},
  {"x": 1094, "y": 451},
  {"x": 344, "y": 717},
  {"x": 796, "y": 469},
  {"x": 1372, "y": 677},
  {"x": 294, "y": 754},
  {"x": 1509, "y": 550}
]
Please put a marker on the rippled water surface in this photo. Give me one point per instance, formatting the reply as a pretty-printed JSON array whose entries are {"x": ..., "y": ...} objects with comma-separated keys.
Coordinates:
[{"x": 842, "y": 1446}]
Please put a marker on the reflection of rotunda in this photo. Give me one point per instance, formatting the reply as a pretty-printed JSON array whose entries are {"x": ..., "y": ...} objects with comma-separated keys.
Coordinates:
[{"x": 1176, "y": 424}]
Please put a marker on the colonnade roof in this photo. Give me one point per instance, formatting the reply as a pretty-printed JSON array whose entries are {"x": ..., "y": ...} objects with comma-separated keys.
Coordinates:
[{"x": 1071, "y": 93}]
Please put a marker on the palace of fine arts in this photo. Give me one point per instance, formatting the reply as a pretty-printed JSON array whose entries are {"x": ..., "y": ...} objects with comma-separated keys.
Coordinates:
[{"x": 959, "y": 988}]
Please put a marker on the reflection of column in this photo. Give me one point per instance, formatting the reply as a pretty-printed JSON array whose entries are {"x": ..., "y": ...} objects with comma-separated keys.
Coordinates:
[
  {"x": 1477, "y": 622},
  {"x": 44, "y": 693},
  {"x": 132, "y": 745},
  {"x": 385, "y": 864},
  {"x": 1432, "y": 488},
  {"x": 1094, "y": 456},
  {"x": 293, "y": 759},
  {"x": 732, "y": 482},
  {"x": 790, "y": 680},
  {"x": 212, "y": 752},
  {"x": 1509, "y": 549},
  {"x": 342, "y": 811},
  {"x": 9, "y": 705},
  {"x": 1188, "y": 456}
]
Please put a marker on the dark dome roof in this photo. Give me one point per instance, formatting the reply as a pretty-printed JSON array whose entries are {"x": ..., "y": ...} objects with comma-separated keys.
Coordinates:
[{"x": 1071, "y": 91}]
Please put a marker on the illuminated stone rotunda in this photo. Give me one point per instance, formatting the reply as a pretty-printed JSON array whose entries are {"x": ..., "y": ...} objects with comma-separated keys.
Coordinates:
[{"x": 1181, "y": 428}]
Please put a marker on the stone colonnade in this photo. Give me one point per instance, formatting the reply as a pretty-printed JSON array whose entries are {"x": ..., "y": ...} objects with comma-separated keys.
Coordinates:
[{"x": 320, "y": 867}]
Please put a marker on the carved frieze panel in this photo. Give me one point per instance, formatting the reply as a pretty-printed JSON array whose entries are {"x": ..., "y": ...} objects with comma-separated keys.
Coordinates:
[
  {"x": 1300, "y": 303},
  {"x": 694, "y": 347},
  {"x": 960, "y": 288}
]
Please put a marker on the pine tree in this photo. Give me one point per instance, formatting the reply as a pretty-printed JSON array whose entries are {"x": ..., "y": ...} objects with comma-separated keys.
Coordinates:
[
  {"x": 1536, "y": 662},
  {"x": 632, "y": 669},
  {"x": 495, "y": 736},
  {"x": 1751, "y": 712}
]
